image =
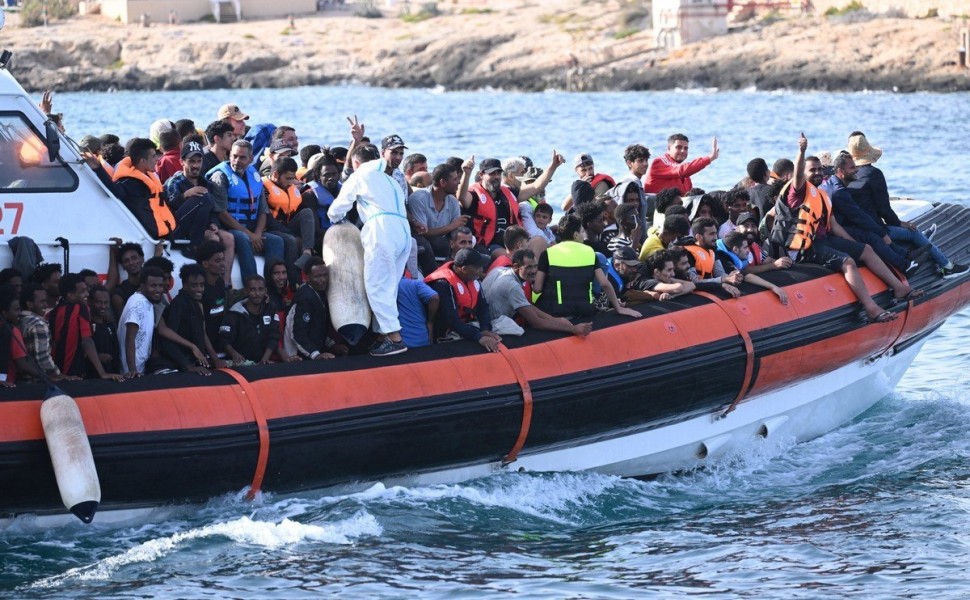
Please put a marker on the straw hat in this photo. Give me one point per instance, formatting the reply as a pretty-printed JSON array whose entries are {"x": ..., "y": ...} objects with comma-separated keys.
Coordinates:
[{"x": 862, "y": 151}]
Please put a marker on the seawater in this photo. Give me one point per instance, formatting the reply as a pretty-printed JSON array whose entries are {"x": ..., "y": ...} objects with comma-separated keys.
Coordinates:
[{"x": 879, "y": 508}]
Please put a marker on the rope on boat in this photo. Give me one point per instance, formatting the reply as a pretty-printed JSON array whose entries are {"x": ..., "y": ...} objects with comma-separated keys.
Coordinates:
[
  {"x": 526, "y": 403},
  {"x": 748, "y": 350},
  {"x": 263, "y": 458}
]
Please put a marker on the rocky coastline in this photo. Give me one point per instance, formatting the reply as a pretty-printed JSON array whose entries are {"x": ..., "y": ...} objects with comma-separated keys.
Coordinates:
[{"x": 528, "y": 47}]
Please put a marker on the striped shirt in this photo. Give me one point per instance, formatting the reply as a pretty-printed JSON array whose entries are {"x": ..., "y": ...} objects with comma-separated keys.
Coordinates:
[{"x": 37, "y": 338}]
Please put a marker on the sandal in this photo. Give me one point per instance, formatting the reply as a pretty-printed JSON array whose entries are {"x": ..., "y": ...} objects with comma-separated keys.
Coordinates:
[
  {"x": 883, "y": 317},
  {"x": 914, "y": 294}
]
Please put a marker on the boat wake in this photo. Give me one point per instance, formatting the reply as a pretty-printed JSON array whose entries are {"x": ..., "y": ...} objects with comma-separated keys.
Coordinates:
[{"x": 243, "y": 530}]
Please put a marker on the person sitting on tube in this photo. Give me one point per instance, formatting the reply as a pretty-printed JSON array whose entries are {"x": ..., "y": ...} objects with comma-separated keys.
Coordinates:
[
  {"x": 566, "y": 274},
  {"x": 462, "y": 301},
  {"x": 658, "y": 280},
  {"x": 250, "y": 330},
  {"x": 308, "y": 322},
  {"x": 706, "y": 267},
  {"x": 186, "y": 317},
  {"x": 733, "y": 252},
  {"x": 511, "y": 291}
]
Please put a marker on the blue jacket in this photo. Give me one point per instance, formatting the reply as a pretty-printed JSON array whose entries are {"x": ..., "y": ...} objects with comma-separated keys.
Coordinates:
[
  {"x": 847, "y": 211},
  {"x": 730, "y": 259},
  {"x": 870, "y": 192},
  {"x": 324, "y": 200},
  {"x": 243, "y": 199}
]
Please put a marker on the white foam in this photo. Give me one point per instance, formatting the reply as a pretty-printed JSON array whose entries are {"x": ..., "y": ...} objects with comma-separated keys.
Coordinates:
[
  {"x": 548, "y": 496},
  {"x": 242, "y": 530}
]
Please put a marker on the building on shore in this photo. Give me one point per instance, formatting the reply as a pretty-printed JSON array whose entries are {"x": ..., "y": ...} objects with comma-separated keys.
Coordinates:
[
  {"x": 162, "y": 11},
  {"x": 679, "y": 22}
]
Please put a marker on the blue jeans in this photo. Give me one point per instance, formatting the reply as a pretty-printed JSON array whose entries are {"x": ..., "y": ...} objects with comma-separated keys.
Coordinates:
[
  {"x": 916, "y": 238},
  {"x": 272, "y": 248},
  {"x": 892, "y": 255}
]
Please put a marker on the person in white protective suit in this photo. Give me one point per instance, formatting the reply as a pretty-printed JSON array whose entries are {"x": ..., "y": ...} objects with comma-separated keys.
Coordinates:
[{"x": 386, "y": 238}]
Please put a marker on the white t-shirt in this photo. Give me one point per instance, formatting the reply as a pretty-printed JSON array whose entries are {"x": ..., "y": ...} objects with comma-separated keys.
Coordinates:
[{"x": 140, "y": 311}]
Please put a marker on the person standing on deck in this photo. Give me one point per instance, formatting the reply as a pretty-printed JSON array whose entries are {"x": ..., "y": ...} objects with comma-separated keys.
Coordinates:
[{"x": 386, "y": 238}]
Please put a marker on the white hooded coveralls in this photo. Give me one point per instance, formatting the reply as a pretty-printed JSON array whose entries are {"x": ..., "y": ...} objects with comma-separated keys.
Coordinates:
[{"x": 386, "y": 236}]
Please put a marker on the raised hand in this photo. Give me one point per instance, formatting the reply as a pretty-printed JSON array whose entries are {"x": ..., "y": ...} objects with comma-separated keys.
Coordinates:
[
  {"x": 47, "y": 102},
  {"x": 557, "y": 160},
  {"x": 356, "y": 129}
]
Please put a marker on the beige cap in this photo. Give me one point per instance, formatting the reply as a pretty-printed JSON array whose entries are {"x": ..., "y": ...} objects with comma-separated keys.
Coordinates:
[{"x": 231, "y": 111}]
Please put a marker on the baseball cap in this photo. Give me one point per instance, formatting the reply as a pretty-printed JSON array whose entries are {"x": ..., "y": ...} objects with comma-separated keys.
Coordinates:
[
  {"x": 392, "y": 141},
  {"x": 231, "y": 111},
  {"x": 281, "y": 147},
  {"x": 582, "y": 159},
  {"x": 490, "y": 165},
  {"x": 466, "y": 257},
  {"x": 747, "y": 216},
  {"x": 626, "y": 254},
  {"x": 190, "y": 149},
  {"x": 90, "y": 143}
]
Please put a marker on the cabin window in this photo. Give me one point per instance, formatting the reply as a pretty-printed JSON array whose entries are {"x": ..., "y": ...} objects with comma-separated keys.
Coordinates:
[{"x": 25, "y": 165}]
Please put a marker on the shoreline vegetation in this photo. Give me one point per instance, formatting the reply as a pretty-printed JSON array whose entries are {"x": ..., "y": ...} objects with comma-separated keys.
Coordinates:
[{"x": 522, "y": 45}]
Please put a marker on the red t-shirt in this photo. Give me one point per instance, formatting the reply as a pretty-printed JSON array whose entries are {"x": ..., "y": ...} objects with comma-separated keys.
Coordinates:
[
  {"x": 16, "y": 353},
  {"x": 169, "y": 164}
]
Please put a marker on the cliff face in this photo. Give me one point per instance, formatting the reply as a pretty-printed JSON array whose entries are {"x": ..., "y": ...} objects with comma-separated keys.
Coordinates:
[{"x": 562, "y": 44}]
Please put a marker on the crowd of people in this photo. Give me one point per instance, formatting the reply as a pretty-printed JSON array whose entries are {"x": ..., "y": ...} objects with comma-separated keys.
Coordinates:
[{"x": 462, "y": 251}]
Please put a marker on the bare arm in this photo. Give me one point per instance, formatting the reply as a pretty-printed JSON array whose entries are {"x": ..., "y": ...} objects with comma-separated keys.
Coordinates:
[
  {"x": 782, "y": 296},
  {"x": 640, "y": 296},
  {"x": 91, "y": 352},
  {"x": 356, "y": 135},
  {"x": 459, "y": 221},
  {"x": 464, "y": 196},
  {"x": 540, "y": 281},
  {"x": 131, "y": 330},
  {"x": 799, "y": 179},
  {"x": 169, "y": 334},
  {"x": 677, "y": 288},
  {"x": 538, "y": 319},
  {"x": 114, "y": 277},
  {"x": 775, "y": 265},
  {"x": 539, "y": 185},
  {"x": 27, "y": 366}
]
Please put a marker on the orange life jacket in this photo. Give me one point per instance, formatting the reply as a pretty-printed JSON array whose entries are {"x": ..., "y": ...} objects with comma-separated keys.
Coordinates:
[
  {"x": 816, "y": 210},
  {"x": 164, "y": 219},
  {"x": 483, "y": 225},
  {"x": 703, "y": 260},
  {"x": 282, "y": 203},
  {"x": 466, "y": 296}
]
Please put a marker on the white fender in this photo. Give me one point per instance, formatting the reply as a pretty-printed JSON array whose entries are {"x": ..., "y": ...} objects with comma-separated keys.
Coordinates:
[
  {"x": 714, "y": 447},
  {"x": 67, "y": 442},
  {"x": 344, "y": 255}
]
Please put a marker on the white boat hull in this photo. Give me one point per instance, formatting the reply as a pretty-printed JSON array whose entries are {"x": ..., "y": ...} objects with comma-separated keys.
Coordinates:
[{"x": 798, "y": 413}]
